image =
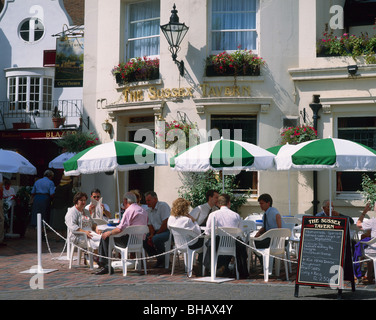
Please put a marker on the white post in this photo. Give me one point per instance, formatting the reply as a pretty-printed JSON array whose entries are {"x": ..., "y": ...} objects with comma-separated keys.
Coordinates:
[
  {"x": 39, "y": 268},
  {"x": 212, "y": 266},
  {"x": 39, "y": 241}
]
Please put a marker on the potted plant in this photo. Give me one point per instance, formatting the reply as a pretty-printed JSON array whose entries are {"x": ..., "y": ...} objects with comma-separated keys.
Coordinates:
[
  {"x": 57, "y": 118},
  {"x": 77, "y": 141},
  {"x": 298, "y": 134},
  {"x": 238, "y": 63},
  {"x": 136, "y": 69}
]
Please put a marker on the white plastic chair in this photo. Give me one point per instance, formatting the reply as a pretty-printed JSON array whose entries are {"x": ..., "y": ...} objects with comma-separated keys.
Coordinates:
[
  {"x": 227, "y": 244},
  {"x": 249, "y": 227},
  {"x": 134, "y": 245},
  {"x": 371, "y": 256},
  {"x": 276, "y": 249},
  {"x": 73, "y": 246},
  {"x": 182, "y": 238}
]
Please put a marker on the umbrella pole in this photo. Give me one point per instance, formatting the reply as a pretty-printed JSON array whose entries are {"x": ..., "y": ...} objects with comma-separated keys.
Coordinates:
[
  {"x": 289, "y": 193},
  {"x": 118, "y": 192},
  {"x": 330, "y": 192},
  {"x": 223, "y": 182}
]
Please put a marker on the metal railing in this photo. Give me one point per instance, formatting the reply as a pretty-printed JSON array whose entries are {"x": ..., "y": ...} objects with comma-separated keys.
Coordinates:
[{"x": 23, "y": 110}]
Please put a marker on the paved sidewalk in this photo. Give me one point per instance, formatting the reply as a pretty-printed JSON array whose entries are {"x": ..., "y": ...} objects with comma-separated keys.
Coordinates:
[{"x": 80, "y": 283}]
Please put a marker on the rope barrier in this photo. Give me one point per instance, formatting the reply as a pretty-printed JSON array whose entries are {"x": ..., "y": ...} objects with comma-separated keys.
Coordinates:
[{"x": 164, "y": 253}]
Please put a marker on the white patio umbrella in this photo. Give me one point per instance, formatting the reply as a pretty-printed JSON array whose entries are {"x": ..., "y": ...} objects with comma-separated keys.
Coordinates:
[
  {"x": 330, "y": 154},
  {"x": 223, "y": 155},
  {"x": 114, "y": 155},
  {"x": 57, "y": 163},
  {"x": 13, "y": 162},
  {"x": 283, "y": 149}
]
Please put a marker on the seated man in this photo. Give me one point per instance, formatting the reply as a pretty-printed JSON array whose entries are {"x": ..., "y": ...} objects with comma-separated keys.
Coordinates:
[
  {"x": 326, "y": 212},
  {"x": 201, "y": 212},
  {"x": 224, "y": 217},
  {"x": 159, "y": 212},
  {"x": 96, "y": 208},
  {"x": 133, "y": 215},
  {"x": 270, "y": 220}
]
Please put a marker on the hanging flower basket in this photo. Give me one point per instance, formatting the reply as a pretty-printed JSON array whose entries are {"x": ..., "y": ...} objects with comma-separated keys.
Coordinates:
[{"x": 298, "y": 134}]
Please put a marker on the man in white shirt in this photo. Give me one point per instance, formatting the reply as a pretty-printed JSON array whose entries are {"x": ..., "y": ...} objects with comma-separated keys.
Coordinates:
[
  {"x": 225, "y": 217},
  {"x": 158, "y": 214},
  {"x": 201, "y": 212}
]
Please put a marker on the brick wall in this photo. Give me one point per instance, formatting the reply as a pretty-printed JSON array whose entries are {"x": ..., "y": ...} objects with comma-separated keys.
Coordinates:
[{"x": 76, "y": 10}]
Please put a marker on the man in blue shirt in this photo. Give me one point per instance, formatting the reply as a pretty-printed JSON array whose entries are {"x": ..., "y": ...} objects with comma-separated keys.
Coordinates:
[
  {"x": 42, "y": 193},
  {"x": 271, "y": 219}
]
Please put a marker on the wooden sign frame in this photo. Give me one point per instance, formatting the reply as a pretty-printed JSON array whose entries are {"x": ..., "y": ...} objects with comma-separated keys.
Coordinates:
[{"x": 325, "y": 254}]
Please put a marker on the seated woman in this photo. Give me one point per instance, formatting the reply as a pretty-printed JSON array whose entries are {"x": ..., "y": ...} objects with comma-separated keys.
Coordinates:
[
  {"x": 77, "y": 219},
  {"x": 369, "y": 226},
  {"x": 180, "y": 218}
]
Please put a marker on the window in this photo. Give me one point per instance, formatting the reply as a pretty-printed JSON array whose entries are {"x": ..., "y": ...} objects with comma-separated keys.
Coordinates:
[
  {"x": 25, "y": 93},
  {"x": 239, "y": 128},
  {"x": 359, "y": 12},
  {"x": 233, "y": 25},
  {"x": 31, "y": 30},
  {"x": 358, "y": 129},
  {"x": 143, "y": 29}
]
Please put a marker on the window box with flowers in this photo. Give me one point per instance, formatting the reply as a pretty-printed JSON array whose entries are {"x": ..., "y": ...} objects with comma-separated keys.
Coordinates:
[
  {"x": 136, "y": 69},
  {"x": 298, "y": 134},
  {"x": 238, "y": 63},
  {"x": 347, "y": 45}
]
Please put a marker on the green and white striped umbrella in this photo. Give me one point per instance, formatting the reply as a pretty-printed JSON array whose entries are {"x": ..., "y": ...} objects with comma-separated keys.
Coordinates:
[
  {"x": 225, "y": 155},
  {"x": 329, "y": 153},
  {"x": 114, "y": 155}
]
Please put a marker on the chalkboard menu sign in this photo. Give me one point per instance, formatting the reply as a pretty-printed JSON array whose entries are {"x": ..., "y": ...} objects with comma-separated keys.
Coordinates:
[{"x": 325, "y": 253}]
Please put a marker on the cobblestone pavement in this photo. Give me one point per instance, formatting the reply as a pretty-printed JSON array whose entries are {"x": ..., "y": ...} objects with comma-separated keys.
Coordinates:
[{"x": 80, "y": 283}]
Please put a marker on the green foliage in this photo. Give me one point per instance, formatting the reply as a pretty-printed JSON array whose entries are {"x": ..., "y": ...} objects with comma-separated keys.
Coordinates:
[
  {"x": 348, "y": 45},
  {"x": 77, "y": 141},
  {"x": 368, "y": 189},
  {"x": 196, "y": 184},
  {"x": 23, "y": 196}
]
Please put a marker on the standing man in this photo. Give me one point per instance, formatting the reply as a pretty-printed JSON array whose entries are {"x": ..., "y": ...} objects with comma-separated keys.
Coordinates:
[
  {"x": 159, "y": 212},
  {"x": 96, "y": 208},
  {"x": 42, "y": 194},
  {"x": 201, "y": 212},
  {"x": 133, "y": 215}
]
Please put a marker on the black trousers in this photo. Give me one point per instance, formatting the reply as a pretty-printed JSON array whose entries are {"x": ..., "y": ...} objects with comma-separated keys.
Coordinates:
[
  {"x": 103, "y": 249},
  {"x": 241, "y": 258}
]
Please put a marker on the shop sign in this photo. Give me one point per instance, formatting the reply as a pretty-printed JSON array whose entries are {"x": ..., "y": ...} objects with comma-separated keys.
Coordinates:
[{"x": 153, "y": 93}]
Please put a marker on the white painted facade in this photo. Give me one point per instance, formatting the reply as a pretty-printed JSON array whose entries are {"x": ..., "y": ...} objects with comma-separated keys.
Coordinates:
[
  {"x": 23, "y": 56},
  {"x": 287, "y": 33}
]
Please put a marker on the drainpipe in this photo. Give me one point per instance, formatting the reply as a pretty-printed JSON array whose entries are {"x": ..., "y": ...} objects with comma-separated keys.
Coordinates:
[{"x": 315, "y": 106}]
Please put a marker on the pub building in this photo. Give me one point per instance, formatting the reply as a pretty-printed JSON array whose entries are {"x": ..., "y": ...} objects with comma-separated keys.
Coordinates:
[{"x": 293, "y": 80}]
